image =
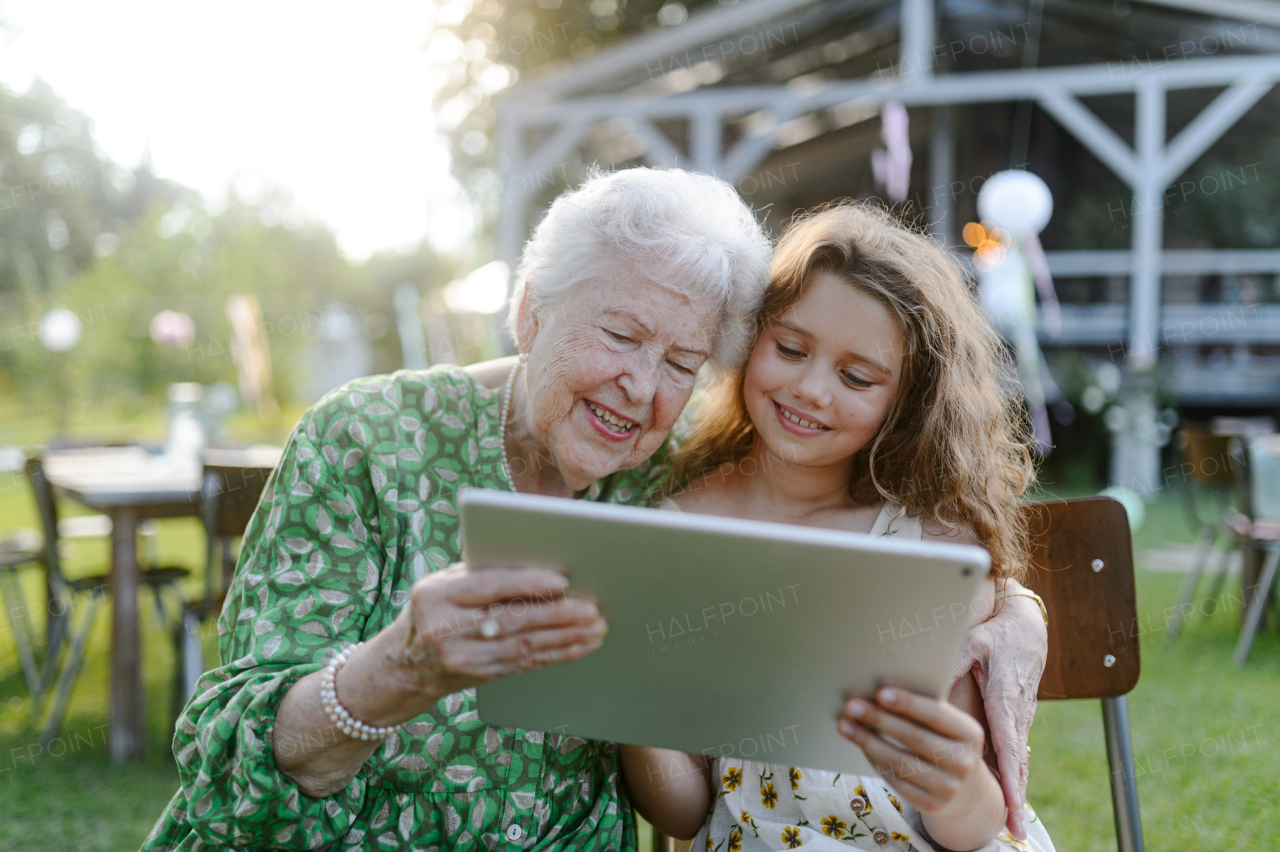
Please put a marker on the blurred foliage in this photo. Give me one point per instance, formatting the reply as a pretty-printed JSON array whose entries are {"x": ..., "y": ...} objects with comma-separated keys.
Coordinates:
[
  {"x": 1098, "y": 218},
  {"x": 117, "y": 246},
  {"x": 1232, "y": 199},
  {"x": 1229, "y": 198}
]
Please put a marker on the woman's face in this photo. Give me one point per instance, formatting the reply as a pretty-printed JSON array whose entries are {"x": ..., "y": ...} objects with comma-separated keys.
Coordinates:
[
  {"x": 610, "y": 369},
  {"x": 832, "y": 362}
]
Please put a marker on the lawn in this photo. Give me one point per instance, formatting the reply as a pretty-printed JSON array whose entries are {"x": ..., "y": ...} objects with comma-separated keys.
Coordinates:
[{"x": 1206, "y": 753}]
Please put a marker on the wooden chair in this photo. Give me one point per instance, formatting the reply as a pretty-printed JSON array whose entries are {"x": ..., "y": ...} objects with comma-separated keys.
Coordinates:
[
  {"x": 1209, "y": 484},
  {"x": 19, "y": 552},
  {"x": 66, "y": 596},
  {"x": 1259, "y": 525},
  {"x": 231, "y": 486},
  {"x": 1082, "y": 566}
]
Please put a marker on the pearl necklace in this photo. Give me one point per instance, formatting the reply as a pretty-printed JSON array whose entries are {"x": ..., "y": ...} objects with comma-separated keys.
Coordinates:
[{"x": 506, "y": 412}]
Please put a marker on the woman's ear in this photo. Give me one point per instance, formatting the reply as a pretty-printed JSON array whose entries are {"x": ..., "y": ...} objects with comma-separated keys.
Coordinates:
[{"x": 526, "y": 321}]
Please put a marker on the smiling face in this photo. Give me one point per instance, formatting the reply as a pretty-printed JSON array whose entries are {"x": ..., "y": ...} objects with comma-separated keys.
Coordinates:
[
  {"x": 610, "y": 369},
  {"x": 824, "y": 375}
]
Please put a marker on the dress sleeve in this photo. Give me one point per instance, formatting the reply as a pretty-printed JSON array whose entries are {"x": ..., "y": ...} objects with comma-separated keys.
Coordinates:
[{"x": 308, "y": 581}]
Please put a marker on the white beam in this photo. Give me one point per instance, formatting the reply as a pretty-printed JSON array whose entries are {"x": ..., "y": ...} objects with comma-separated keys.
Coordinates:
[
  {"x": 1254, "y": 11},
  {"x": 658, "y": 151},
  {"x": 513, "y": 206},
  {"x": 973, "y": 87},
  {"x": 665, "y": 47},
  {"x": 1096, "y": 135},
  {"x": 1148, "y": 226},
  {"x": 915, "y": 50},
  {"x": 554, "y": 149},
  {"x": 942, "y": 158},
  {"x": 1107, "y": 262},
  {"x": 1207, "y": 127},
  {"x": 706, "y": 138},
  {"x": 750, "y": 150},
  {"x": 1182, "y": 325}
]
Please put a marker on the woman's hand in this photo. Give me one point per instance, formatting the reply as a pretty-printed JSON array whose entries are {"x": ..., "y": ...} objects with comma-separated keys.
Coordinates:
[
  {"x": 465, "y": 627},
  {"x": 1006, "y": 655},
  {"x": 931, "y": 752},
  {"x": 461, "y": 628}
]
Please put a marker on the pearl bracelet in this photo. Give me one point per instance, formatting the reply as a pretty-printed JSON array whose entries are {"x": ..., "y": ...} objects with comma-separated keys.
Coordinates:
[{"x": 338, "y": 714}]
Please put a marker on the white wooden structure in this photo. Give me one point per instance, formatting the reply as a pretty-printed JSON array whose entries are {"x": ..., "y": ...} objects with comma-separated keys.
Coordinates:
[{"x": 672, "y": 74}]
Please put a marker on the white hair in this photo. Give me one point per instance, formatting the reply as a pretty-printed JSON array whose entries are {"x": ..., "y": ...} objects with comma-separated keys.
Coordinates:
[{"x": 680, "y": 228}]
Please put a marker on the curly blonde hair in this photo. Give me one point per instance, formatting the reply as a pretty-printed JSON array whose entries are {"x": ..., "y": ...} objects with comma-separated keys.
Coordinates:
[{"x": 953, "y": 448}]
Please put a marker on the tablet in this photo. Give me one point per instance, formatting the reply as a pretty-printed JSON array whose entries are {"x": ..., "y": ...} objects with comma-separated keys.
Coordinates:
[{"x": 726, "y": 637}]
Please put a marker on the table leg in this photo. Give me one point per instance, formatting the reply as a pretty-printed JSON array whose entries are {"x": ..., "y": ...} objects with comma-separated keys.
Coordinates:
[{"x": 128, "y": 727}]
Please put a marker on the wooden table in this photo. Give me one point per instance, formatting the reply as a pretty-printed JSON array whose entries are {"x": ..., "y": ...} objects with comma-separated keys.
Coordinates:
[{"x": 128, "y": 484}]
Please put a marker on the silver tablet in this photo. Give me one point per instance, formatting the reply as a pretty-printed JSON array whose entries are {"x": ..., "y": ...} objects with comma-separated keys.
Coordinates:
[{"x": 726, "y": 637}]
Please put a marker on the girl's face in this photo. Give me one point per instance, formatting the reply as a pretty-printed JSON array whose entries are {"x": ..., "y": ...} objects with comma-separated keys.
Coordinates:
[{"x": 824, "y": 375}]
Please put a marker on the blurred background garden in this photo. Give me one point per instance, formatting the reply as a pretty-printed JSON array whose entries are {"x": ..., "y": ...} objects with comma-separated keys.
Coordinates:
[{"x": 210, "y": 217}]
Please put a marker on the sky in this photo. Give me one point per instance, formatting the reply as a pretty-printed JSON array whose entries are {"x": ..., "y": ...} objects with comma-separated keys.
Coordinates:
[{"x": 329, "y": 100}]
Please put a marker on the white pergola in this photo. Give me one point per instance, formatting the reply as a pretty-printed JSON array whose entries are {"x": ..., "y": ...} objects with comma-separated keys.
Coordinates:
[{"x": 566, "y": 108}]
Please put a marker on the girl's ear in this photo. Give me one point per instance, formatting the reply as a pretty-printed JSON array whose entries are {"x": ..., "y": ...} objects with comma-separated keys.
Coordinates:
[{"x": 526, "y": 322}]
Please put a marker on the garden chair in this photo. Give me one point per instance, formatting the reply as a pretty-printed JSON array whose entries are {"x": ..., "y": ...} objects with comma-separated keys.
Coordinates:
[
  {"x": 68, "y": 595},
  {"x": 19, "y": 552},
  {"x": 1082, "y": 566},
  {"x": 1259, "y": 525},
  {"x": 231, "y": 485},
  {"x": 1209, "y": 477}
]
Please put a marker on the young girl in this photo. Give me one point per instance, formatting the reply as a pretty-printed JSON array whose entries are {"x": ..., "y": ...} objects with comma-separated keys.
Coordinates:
[{"x": 874, "y": 393}]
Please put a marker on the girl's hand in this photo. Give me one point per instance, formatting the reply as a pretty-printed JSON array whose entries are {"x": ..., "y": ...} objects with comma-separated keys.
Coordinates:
[
  {"x": 944, "y": 745},
  {"x": 934, "y": 761}
]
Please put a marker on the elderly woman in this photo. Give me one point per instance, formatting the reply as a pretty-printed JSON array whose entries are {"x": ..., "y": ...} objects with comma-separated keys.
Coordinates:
[{"x": 344, "y": 716}]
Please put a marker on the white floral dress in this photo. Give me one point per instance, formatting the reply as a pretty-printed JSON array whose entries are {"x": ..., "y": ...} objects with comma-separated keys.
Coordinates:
[{"x": 767, "y": 806}]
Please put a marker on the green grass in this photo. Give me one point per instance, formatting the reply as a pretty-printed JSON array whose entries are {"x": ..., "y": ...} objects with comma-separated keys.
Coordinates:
[{"x": 1205, "y": 747}]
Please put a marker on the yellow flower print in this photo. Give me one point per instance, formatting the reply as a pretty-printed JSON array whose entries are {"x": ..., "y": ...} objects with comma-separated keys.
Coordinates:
[
  {"x": 747, "y": 820},
  {"x": 899, "y": 836},
  {"x": 795, "y": 778},
  {"x": 894, "y": 799},
  {"x": 768, "y": 796},
  {"x": 1016, "y": 844},
  {"x": 833, "y": 826},
  {"x": 791, "y": 837},
  {"x": 732, "y": 778},
  {"x": 860, "y": 803},
  {"x": 735, "y": 839}
]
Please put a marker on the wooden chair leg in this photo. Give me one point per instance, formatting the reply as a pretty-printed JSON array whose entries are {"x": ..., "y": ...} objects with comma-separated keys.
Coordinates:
[
  {"x": 1204, "y": 549},
  {"x": 1253, "y": 618},
  {"x": 662, "y": 843},
  {"x": 72, "y": 667},
  {"x": 1124, "y": 788},
  {"x": 24, "y": 635},
  {"x": 1220, "y": 575},
  {"x": 192, "y": 651}
]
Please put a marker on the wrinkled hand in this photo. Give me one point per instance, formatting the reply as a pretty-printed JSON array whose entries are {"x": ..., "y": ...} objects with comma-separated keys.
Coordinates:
[
  {"x": 445, "y": 648},
  {"x": 1007, "y": 654}
]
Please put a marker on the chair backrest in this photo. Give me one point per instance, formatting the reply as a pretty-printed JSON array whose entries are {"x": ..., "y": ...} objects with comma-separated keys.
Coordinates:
[
  {"x": 1264, "y": 477},
  {"x": 231, "y": 496},
  {"x": 47, "y": 508},
  {"x": 1206, "y": 456},
  {"x": 1082, "y": 566}
]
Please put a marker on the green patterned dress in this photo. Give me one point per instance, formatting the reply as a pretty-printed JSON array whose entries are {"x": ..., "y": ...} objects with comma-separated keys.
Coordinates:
[{"x": 361, "y": 506}]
